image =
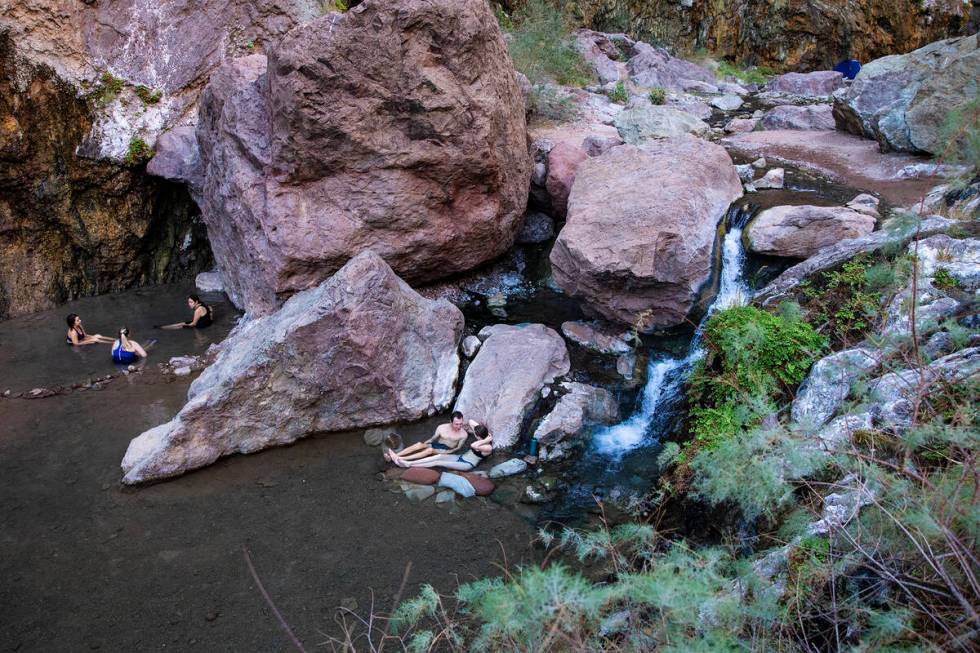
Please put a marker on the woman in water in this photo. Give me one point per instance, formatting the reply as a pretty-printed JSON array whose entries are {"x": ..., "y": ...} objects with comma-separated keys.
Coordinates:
[
  {"x": 125, "y": 350},
  {"x": 76, "y": 333},
  {"x": 202, "y": 316},
  {"x": 480, "y": 449}
]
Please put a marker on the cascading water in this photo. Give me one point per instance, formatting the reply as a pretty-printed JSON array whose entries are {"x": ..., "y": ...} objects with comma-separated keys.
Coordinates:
[{"x": 665, "y": 376}]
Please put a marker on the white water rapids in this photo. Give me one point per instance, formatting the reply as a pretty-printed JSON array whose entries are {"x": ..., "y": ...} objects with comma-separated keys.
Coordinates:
[{"x": 665, "y": 376}]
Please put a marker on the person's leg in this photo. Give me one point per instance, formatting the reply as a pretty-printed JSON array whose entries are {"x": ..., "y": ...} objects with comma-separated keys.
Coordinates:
[
  {"x": 448, "y": 461},
  {"x": 412, "y": 448},
  {"x": 423, "y": 453}
]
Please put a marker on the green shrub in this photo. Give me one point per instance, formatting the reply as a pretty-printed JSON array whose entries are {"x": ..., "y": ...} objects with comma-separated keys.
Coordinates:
[
  {"x": 944, "y": 280},
  {"x": 658, "y": 95},
  {"x": 147, "y": 95},
  {"x": 961, "y": 135},
  {"x": 539, "y": 43},
  {"x": 551, "y": 103},
  {"x": 106, "y": 90},
  {"x": 619, "y": 94},
  {"x": 138, "y": 152},
  {"x": 751, "y": 75}
]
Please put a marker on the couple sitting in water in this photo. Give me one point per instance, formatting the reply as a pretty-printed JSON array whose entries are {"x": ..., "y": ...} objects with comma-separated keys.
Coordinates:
[
  {"x": 125, "y": 350},
  {"x": 439, "y": 450}
]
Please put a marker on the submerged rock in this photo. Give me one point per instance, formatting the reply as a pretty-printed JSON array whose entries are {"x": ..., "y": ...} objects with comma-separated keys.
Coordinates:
[
  {"x": 641, "y": 228},
  {"x": 504, "y": 380},
  {"x": 902, "y": 101},
  {"x": 801, "y": 231},
  {"x": 360, "y": 349},
  {"x": 395, "y": 126},
  {"x": 537, "y": 228}
]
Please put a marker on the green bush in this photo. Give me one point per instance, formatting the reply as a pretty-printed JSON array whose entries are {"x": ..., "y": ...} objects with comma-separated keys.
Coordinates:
[
  {"x": 540, "y": 46},
  {"x": 658, "y": 95},
  {"x": 138, "y": 152},
  {"x": 106, "y": 90},
  {"x": 619, "y": 94},
  {"x": 944, "y": 280},
  {"x": 551, "y": 103},
  {"x": 147, "y": 95},
  {"x": 961, "y": 133},
  {"x": 751, "y": 75}
]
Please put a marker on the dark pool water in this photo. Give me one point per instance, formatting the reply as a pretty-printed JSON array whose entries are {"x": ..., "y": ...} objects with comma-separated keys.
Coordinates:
[{"x": 33, "y": 352}]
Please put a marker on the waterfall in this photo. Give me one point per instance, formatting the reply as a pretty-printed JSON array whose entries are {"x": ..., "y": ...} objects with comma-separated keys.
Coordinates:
[{"x": 666, "y": 375}]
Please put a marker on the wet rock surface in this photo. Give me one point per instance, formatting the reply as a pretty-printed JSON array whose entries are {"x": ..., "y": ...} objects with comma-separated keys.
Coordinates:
[
  {"x": 331, "y": 359},
  {"x": 807, "y": 117},
  {"x": 581, "y": 406},
  {"x": 354, "y": 137},
  {"x": 637, "y": 244}
]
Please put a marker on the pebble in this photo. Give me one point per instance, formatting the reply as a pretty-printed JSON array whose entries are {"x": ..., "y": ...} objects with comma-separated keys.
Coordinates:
[
  {"x": 446, "y": 496},
  {"x": 508, "y": 468},
  {"x": 417, "y": 492},
  {"x": 182, "y": 371},
  {"x": 759, "y": 163}
]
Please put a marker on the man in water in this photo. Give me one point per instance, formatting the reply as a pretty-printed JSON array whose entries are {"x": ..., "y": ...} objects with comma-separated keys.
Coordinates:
[{"x": 447, "y": 439}]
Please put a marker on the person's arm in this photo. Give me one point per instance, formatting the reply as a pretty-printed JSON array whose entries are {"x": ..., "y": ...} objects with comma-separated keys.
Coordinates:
[
  {"x": 199, "y": 312},
  {"x": 460, "y": 442}
]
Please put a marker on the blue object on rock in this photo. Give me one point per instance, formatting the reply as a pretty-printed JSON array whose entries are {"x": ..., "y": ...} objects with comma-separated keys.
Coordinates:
[{"x": 849, "y": 68}]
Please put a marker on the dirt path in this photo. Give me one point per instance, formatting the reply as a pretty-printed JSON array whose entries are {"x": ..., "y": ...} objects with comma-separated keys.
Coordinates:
[{"x": 88, "y": 565}]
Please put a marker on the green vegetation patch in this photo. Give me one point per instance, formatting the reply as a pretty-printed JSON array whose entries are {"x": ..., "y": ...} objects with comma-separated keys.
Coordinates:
[
  {"x": 619, "y": 94},
  {"x": 138, "y": 152},
  {"x": 106, "y": 90},
  {"x": 539, "y": 39},
  {"x": 658, "y": 95},
  {"x": 148, "y": 95},
  {"x": 746, "y": 75}
]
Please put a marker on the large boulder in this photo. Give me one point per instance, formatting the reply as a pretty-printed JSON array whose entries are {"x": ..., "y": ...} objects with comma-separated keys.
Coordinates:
[
  {"x": 503, "y": 382},
  {"x": 360, "y": 349},
  {"x": 829, "y": 383},
  {"x": 818, "y": 84},
  {"x": 396, "y": 127},
  {"x": 902, "y": 101},
  {"x": 642, "y": 223},
  {"x": 791, "y": 116},
  {"x": 804, "y": 230},
  {"x": 602, "y": 51},
  {"x": 654, "y": 67},
  {"x": 641, "y": 121},
  {"x": 563, "y": 162}
]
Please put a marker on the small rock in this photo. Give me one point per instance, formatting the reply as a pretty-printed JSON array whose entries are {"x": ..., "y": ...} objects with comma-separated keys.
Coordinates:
[
  {"x": 508, "y": 468},
  {"x": 210, "y": 282},
  {"x": 726, "y": 102},
  {"x": 740, "y": 125},
  {"x": 471, "y": 344},
  {"x": 182, "y": 371},
  {"x": 749, "y": 188},
  {"x": 545, "y": 392},
  {"x": 131, "y": 368},
  {"x": 446, "y": 496},
  {"x": 374, "y": 437},
  {"x": 535, "y": 495},
  {"x": 417, "y": 492},
  {"x": 212, "y": 615},
  {"x": 772, "y": 179},
  {"x": 537, "y": 228},
  {"x": 864, "y": 203},
  {"x": 760, "y": 163},
  {"x": 626, "y": 366},
  {"x": 745, "y": 172}
]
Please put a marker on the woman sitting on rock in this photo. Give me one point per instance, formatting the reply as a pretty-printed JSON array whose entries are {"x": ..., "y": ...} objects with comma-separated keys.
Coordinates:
[
  {"x": 125, "y": 350},
  {"x": 203, "y": 315},
  {"x": 480, "y": 449},
  {"x": 76, "y": 333}
]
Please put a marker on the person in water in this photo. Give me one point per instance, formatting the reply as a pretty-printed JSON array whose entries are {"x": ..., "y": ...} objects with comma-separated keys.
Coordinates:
[
  {"x": 480, "y": 449},
  {"x": 203, "y": 315},
  {"x": 76, "y": 335},
  {"x": 125, "y": 350},
  {"x": 447, "y": 439}
]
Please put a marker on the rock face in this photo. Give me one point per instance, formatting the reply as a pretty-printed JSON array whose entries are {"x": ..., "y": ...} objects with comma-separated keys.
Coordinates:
[
  {"x": 71, "y": 226},
  {"x": 829, "y": 383},
  {"x": 797, "y": 34},
  {"x": 789, "y": 116},
  {"x": 652, "y": 67},
  {"x": 802, "y": 231},
  {"x": 360, "y": 349},
  {"x": 642, "y": 121},
  {"x": 396, "y": 127},
  {"x": 582, "y": 406},
  {"x": 602, "y": 52},
  {"x": 503, "y": 382},
  {"x": 818, "y": 84},
  {"x": 902, "y": 100},
  {"x": 641, "y": 228},
  {"x": 597, "y": 337}
]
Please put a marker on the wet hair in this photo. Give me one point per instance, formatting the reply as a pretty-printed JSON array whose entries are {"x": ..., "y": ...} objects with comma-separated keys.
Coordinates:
[
  {"x": 457, "y": 415},
  {"x": 123, "y": 332},
  {"x": 197, "y": 300},
  {"x": 71, "y": 319},
  {"x": 480, "y": 432},
  {"x": 393, "y": 441}
]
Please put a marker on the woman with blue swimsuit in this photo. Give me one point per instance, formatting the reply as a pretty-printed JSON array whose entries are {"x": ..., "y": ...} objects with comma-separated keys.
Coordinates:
[
  {"x": 125, "y": 350},
  {"x": 480, "y": 449}
]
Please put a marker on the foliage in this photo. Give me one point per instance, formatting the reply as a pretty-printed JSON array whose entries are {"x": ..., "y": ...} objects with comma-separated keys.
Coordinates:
[
  {"x": 750, "y": 75},
  {"x": 147, "y": 95},
  {"x": 619, "y": 94},
  {"x": 961, "y": 133},
  {"x": 848, "y": 302},
  {"x": 539, "y": 39},
  {"x": 550, "y": 103},
  {"x": 108, "y": 87},
  {"x": 138, "y": 152},
  {"x": 943, "y": 280},
  {"x": 658, "y": 95},
  {"x": 327, "y": 6}
]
